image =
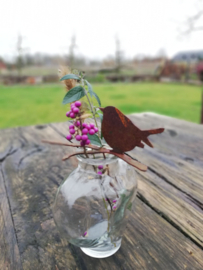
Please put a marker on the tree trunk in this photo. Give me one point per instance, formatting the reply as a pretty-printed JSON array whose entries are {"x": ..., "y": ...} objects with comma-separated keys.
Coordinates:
[{"x": 202, "y": 110}]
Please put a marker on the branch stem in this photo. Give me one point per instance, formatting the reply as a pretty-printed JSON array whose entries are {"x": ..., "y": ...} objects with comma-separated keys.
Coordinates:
[{"x": 92, "y": 110}]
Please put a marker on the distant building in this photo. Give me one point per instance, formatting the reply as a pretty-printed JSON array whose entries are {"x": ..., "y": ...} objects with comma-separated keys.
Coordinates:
[
  {"x": 2, "y": 65},
  {"x": 188, "y": 56}
]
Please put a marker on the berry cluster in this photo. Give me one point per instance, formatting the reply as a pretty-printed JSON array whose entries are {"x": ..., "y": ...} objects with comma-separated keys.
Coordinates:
[
  {"x": 79, "y": 130},
  {"x": 74, "y": 110}
]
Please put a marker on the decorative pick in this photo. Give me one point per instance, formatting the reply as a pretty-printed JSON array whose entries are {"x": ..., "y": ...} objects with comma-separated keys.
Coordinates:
[{"x": 121, "y": 134}]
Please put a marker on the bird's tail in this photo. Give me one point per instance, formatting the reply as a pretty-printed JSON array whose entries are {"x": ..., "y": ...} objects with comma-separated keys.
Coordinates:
[{"x": 146, "y": 133}]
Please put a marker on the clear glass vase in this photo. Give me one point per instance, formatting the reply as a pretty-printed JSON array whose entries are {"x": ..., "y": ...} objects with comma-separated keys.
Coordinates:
[{"x": 90, "y": 208}]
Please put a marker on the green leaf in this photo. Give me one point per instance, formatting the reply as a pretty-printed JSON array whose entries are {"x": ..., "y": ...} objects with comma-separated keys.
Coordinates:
[
  {"x": 90, "y": 89},
  {"x": 97, "y": 98},
  {"x": 70, "y": 76},
  {"x": 94, "y": 139},
  {"x": 74, "y": 94},
  {"x": 92, "y": 93}
]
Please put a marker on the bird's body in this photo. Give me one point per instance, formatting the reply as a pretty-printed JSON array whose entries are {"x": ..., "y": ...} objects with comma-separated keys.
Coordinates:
[{"x": 121, "y": 134}]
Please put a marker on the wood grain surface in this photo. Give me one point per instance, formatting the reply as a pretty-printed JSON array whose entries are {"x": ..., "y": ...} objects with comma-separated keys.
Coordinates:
[{"x": 164, "y": 232}]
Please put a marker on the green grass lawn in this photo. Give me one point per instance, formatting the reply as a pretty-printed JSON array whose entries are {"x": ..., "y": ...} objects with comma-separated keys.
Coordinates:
[{"x": 23, "y": 105}]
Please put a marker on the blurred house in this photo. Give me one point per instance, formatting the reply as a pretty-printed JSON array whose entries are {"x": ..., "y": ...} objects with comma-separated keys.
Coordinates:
[
  {"x": 148, "y": 66},
  {"x": 171, "y": 70},
  {"x": 188, "y": 56},
  {"x": 136, "y": 70},
  {"x": 190, "y": 61}
]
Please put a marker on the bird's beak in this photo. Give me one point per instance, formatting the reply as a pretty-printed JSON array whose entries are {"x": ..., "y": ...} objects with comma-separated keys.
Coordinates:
[{"x": 101, "y": 109}]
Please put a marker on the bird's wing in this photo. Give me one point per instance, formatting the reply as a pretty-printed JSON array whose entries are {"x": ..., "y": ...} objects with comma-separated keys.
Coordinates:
[{"x": 122, "y": 117}]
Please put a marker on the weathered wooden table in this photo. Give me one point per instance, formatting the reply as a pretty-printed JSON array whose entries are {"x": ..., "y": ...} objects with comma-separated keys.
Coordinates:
[{"x": 164, "y": 232}]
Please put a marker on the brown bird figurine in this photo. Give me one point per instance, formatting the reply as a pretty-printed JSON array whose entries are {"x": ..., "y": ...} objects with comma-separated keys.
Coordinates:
[{"x": 121, "y": 134}]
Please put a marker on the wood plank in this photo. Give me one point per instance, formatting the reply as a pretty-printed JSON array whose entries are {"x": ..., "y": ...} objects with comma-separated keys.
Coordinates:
[
  {"x": 180, "y": 173},
  {"x": 173, "y": 185},
  {"x": 173, "y": 204},
  {"x": 31, "y": 192},
  {"x": 9, "y": 252},
  {"x": 181, "y": 138}
]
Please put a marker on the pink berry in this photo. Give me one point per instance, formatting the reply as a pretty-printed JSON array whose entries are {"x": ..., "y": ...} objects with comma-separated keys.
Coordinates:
[
  {"x": 100, "y": 167},
  {"x": 75, "y": 110},
  {"x": 68, "y": 114},
  {"x": 77, "y": 123},
  {"x": 88, "y": 126},
  {"x": 72, "y": 115},
  {"x": 69, "y": 137},
  {"x": 99, "y": 173},
  {"x": 72, "y": 131},
  {"x": 72, "y": 108},
  {"x": 72, "y": 105},
  {"x": 78, "y": 103},
  {"x": 85, "y": 233},
  {"x": 96, "y": 129},
  {"x": 114, "y": 207},
  {"x": 71, "y": 127},
  {"x": 84, "y": 125},
  {"x": 91, "y": 131},
  {"x": 78, "y": 137},
  {"x": 84, "y": 137},
  {"x": 92, "y": 125},
  {"x": 114, "y": 201},
  {"x": 87, "y": 142},
  {"x": 84, "y": 131},
  {"x": 82, "y": 143}
]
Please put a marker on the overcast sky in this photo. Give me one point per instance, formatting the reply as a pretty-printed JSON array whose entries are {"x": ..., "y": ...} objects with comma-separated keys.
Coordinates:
[{"x": 143, "y": 26}]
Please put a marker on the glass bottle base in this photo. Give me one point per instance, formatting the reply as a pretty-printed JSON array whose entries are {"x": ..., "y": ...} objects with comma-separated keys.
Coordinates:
[{"x": 99, "y": 253}]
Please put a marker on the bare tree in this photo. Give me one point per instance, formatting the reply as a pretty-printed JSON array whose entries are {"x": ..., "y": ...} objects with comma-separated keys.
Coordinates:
[
  {"x": 20, "y": 50},
  {"x": 71, "y": 58},
  {"x": 118, "y": 55},
  {"x": 193, "y": 23}
]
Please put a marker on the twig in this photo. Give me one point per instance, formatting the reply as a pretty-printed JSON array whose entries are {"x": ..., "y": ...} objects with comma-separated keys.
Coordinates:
[
  {"x": 68, "y": 144},
  {"x": 123, "y": 156},
  {"x": 79, "y": 153},
  {"x": 114, "y": 189}
]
